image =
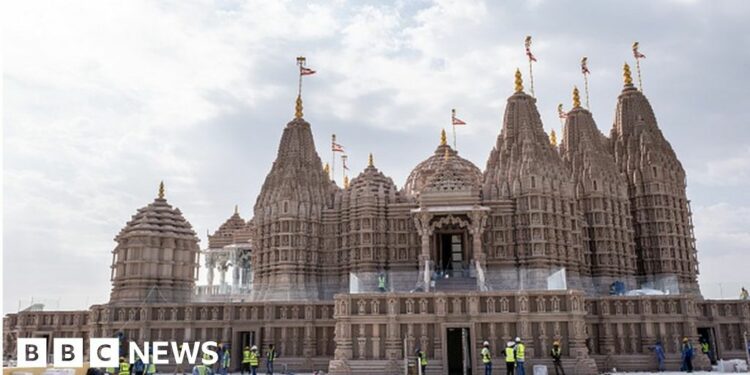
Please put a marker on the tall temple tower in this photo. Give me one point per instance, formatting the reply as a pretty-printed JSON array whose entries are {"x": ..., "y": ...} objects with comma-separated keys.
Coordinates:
[
  {"x": 156, "y": 257},
  {"x": 544, "y": 229},
  {"x": 288, "y": 218},
  {"x": 662, "y": 220},
  {"x": 602, "y": 193}
]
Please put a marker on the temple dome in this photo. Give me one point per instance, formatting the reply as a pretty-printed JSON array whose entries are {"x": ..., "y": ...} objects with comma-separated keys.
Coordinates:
[
  {"x": 445, "y": 171},
  {"x": 234, "y": 230},
  {"x": 158, "y": 219},
  {"x": 371, "y": 182}
]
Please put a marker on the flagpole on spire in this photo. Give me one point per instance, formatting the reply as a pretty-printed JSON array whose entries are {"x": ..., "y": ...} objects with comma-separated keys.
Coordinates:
[
  {"x": 344, "y": 167},
  {"x": 561, "y": 114},
  {"x": 333, "y": 157},
  {"x": 303, "y": 71},
  {"x": 585, "y": 71},
  {"x": 453, "y": 124},
  {"x": 532, "y": 58},
  {"x": 638, "y": 56}
]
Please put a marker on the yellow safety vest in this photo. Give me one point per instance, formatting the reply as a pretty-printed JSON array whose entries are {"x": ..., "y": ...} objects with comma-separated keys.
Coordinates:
[
  {"x": 124, "y": 368},
  {"x": 486, "y": 358},
  {"x": 253, "y": 359},
  {"x": 510, "y": 355},
  {"x": 226, "y": 359},
  {"x": 202, "y": 370},
  {"x": 520, "y": 352},
  {"x": 246, "y": 356},
  {"x": 271, "y": 355},
  {"x": 151, "y": 365},
  {"x": 422, "y": 359}
]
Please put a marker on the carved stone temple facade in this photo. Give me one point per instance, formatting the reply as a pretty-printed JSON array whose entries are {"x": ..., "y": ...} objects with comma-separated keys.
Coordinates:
[{"x": 531, "y": 246}]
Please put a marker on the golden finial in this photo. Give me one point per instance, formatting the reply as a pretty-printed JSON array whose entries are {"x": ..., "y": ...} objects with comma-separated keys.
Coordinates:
[
  {"x": 161, "y": 190},
  {"x": 576, "y": 97},
  {"x": 626, "y": 74},
  {"x": 519, "y": 81},
  {"x": 298, "y": 108},
  {"x": 370, "y": 161},
  {"x": 327, "y": 170},
  {"x": 553, "y": 138},
  {"x": 443, "y": 139},
  {"x": 346, "y": 182}
]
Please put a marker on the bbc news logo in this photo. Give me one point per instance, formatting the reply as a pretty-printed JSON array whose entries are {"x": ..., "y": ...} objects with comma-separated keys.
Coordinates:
[{"x": 105, "y": 352}]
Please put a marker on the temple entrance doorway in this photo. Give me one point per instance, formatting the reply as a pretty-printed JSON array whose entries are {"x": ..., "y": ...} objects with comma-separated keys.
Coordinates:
[
  {"x": 451, "y": 258},
  {"x": 458, "y": 350}
]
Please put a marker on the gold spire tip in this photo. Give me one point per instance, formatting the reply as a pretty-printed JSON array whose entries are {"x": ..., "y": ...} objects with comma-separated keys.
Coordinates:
[
  {"x": 626, "y": 74},
  {"x": 576, "y": 97},
  {"x": 346, "y": 182},
  {"x": 370, "y": 161},
  {"x": 519, "y": 81},
  {"x": 161, "y": 190},
  {"x": 298, "y": 108},
  {"x": 553, "y": 138},
  {"x": 327, "y": 170},
  {"x": 443, "y": 138}
]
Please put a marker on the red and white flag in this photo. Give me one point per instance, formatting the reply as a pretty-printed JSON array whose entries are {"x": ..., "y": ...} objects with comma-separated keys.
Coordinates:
[
  {"x": 560, "y": 112},
  {"x": 343, "y": 161},
  {"x": 305, "y": 71},
  {"x": 637, "y": 54},
  {"x": 458, "y": 121},
  {"x": 585, "y": 65},
  {"x": 335, "y": 147},
  {"x": 528, "y": 49}
]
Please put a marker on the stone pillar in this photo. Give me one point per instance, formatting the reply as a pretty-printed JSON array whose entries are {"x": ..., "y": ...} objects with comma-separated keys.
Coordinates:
[
  {"x": 422, "y": 222},
  {"x": 478, "y": 223},
  {"x": 210, "y": 269}
]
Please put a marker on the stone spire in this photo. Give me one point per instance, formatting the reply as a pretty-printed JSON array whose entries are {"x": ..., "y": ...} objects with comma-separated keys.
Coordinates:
[
  {"x": 657, "y": 186},
  {"x": 525, "y": 168},
  {"x": 294, "y": 194},
  {"x": 370, "y": 161},
  {"x": 156, "y": 257},
  {"x": 603, "y": 197}
]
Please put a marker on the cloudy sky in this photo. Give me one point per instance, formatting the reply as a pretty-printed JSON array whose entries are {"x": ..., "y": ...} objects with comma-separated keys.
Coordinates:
[{"x": 102, "y": 100}]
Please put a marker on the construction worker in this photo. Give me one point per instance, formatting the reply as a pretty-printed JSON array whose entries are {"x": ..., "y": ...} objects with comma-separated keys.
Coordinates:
[
  {"x": 124, "y": 367},
  {"x": 706, "y": 349},
  {"x": 487, "y": 358},
  {"x": 254, "y": 360},
  {"x": 660, "y": 356},
  {"x": 151, "y": 368},
  {"x": 226, "y": 360},
  {"x": 202, "y": 369},
  {"x": 556, "y": 354},
  {"x": 381, "y": 281},
  {"x": 422, "y": 359},
  {"x": 270, "y": 357},
  {"x": 520, "y": 356},
  {"x": 245, "y": 360},
  {"x": 744, "y": 295},
  {"x": 178, "y": 365},
  {"x": 510, "y": 358},
  {"x": 687, "y": 355}
]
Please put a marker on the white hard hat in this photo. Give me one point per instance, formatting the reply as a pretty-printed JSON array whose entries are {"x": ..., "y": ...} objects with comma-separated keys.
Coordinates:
[
  {"x": 486, "y": 343},
  {"x": 254, "y": 348},
  {"x": 510, "y": 343},
  {"x": 518, "y": 339}
]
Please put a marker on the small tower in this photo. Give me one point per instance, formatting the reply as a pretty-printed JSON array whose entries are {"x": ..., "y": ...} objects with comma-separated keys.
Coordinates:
[{"x": 156, "y": 257}]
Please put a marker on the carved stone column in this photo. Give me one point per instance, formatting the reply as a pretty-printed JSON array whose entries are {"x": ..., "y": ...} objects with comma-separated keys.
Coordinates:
[
  {"x": 478, "y": 224},
  {"x": 422, "y": 222}
]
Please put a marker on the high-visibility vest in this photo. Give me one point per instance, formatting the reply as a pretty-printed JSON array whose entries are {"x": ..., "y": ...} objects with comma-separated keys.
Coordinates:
[
  {"x": 520, "y": 352},
  {"x": 704, "y": 347},
  {"x": 151, "y": 365},
  {"x": 202, "y": 369},
  {"x": 226, "y": 359},
  {"x": 486, "y": 358},
  {"x": 111, "y": 370},
  {"x": 381, "y": 281},
  {"x": 422, "y": 358},
  {"x": 510, "y": 355},
  {"x": 271, "y": 355},
  {"x": 253, "y": 359},
  {"x": 124, "y": 368},
  {"x": 555, "y": 352},
  {"x": 246, "y": 356}
]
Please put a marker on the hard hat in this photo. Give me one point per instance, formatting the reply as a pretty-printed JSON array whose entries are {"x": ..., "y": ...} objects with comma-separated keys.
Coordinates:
[
  {"x": 684, "y": 339},
  {"x": 518, "y": 339},
  {"x": 122, "y": 358},
  {"x": 254, "y": 348},
  {"x": 486, "y": 343},
  {"x": 510, "y": 343},
  {"x": 556, "y": 343},
  {"x": 247, "y": 347}
]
